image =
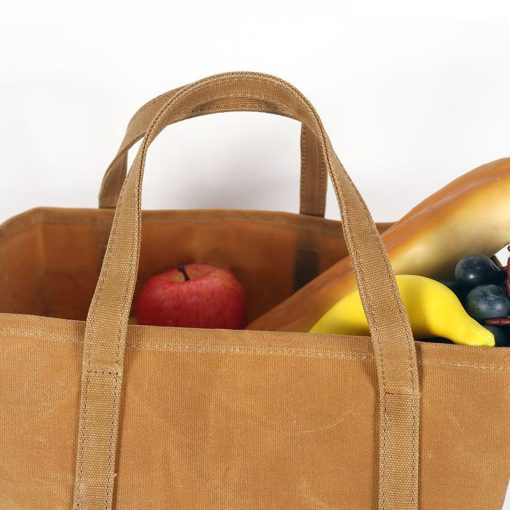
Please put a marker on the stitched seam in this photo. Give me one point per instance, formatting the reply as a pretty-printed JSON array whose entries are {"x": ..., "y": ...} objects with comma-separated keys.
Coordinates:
[
  {"x": 384, "y": 451},
  {"x": 121, "y": 335},
  {"x": 323, "y": 184},
  {"x": 120, "y": 332},
  {"x": 121, "y": 174},
  {"x": 379, "y": 350},
  {"x": 409, "y": 344},
  {"x": 295, "y": 352},
  {"x": 400, "y": 308},
  {"x": 92, "y": 313},
  {"x": 304, "y": 206},
  {"x": 104, "y": 372},
  {"x": 110, "y": 441},
  {"x": 83, "y": 420},
  {"x": 112, "y": 172},
  {"x": 83, "y": 429},
  {"x": 42, "y": 273},
  {"x": 408, "y": 348},
  {"x": 170, "y": 94},
  {"x": 315, "y": 203},
  {"x": 293, "y": 222},
  {"x": 153, "y": 100},
  {"x": 466, "y": 365},
  {"x": 145, "y": 346},
  {"x": 276, "y": 351},
  {"x": 109, "y": 174}
]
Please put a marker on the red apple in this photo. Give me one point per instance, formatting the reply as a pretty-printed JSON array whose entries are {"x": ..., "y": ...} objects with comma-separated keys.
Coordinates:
[{"x": 193, "y": 296}]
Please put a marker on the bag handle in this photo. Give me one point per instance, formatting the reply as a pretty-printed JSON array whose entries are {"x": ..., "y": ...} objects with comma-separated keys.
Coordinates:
[
  {"x": 107, "y": 321},
  {"x": 313, "y": 183}
]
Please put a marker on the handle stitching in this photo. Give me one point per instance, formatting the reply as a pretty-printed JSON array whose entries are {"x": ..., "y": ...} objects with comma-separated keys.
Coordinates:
[
  {"x": 402, "y": 314},
  {"x": 104, "y": 372},
  {"x": 411, "y": 371},
  {"x": 304, "y": 167},
  {"x": 269, "y": 351},
  {"x": 409, "y": 358},
  {"x": 249, "y": 351},
  {"x": 110, "y": 441},
  {"x": 324, "y": 181},
  {"x": 170, "y": 93},
  {"x": 92, "y": 312},
  {"x": 323, "y": 140},
  {"x": 83, "y": 419},
  {"x": 120, "y": 344}
]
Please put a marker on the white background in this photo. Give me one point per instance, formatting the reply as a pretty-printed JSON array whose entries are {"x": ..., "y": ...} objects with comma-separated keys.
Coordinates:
[{"x": 412, "y": 97}]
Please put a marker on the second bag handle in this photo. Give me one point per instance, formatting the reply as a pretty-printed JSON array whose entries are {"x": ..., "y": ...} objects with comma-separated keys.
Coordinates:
[
  {"x": 107, "y": 321},
  {"x": 313, "y": 182}
]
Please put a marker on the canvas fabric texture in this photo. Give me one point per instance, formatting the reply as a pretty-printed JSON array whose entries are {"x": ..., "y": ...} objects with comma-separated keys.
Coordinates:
[{"x": 98, "y": 413}]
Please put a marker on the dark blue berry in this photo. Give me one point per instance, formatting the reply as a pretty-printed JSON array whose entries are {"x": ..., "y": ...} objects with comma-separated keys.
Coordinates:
[
  {"x": 487, "y": 302},
  {"x": 477, "y": 270}
]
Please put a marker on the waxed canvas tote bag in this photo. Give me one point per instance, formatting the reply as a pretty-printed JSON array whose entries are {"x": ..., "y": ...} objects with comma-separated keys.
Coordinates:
[{"x": 98, "y": 413}]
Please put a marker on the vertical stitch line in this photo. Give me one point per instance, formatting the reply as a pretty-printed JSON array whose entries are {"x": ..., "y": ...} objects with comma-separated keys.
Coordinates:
[
  {"x": 383, "y": 461},
  {"x": 121, "y": 334},
  {"x": 323, "y": 184},
  {"x": 416, "y": 437},
  {"x": 379, "y": 352},
  {"x": 110, "y": 449},
  {"x": 415, "y": 407},
  {"x": 304, "y": 192},
  {"x": 415, "y": 386},
  {"x": 83, "y": 421},
  {"x": 92, "y": 333}
]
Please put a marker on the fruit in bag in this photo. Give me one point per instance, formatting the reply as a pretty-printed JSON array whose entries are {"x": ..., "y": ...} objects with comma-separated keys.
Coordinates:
[{"x": 469, "y": 215}]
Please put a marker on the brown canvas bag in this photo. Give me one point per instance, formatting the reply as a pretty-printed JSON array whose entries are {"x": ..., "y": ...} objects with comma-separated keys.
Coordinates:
[{"x": 97, "y": 413}]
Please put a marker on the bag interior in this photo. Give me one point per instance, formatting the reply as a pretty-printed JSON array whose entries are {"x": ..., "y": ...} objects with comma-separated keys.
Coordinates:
[{"x": 50, "y": 259}]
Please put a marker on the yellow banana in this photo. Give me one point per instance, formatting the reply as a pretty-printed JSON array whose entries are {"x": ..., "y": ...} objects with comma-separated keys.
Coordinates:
[{"x": 433, "y": 311}]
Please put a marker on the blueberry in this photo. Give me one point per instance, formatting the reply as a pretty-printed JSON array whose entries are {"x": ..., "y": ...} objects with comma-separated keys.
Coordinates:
[
  {"x": 477, "y": 270},
  {"x": 487, "y": 302},
  {"x": 501, "y": 335}
]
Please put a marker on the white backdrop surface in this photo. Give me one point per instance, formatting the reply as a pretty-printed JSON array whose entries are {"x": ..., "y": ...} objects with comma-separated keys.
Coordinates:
[{"x": 410, "y": 101}]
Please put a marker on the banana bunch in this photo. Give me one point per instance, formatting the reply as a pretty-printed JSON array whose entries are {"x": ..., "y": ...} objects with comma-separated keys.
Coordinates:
[{"x": 433, "y": 311}]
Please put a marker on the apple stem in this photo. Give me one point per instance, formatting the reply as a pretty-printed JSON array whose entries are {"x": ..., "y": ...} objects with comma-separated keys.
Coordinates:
[{"x": 182, "y": 269}]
